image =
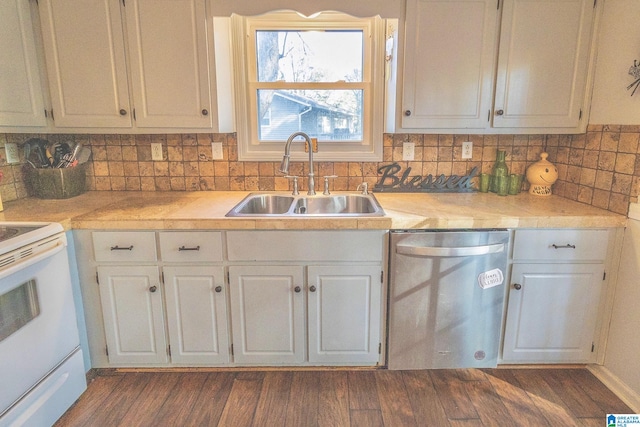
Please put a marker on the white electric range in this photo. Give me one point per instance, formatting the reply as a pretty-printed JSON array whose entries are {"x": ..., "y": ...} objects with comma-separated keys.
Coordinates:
[{"x": 41, "y": 365}]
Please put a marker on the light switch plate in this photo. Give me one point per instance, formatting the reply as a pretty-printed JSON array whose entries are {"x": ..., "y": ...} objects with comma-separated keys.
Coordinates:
[
  {"x": 467, "y": 149},
  {"x": 156, "y": 151},
  {"x": 216, "y": 151},
  {"x": 408, "y": 151}
]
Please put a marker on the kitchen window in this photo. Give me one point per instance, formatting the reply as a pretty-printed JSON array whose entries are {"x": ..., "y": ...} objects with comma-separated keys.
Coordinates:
[{"x": 322, "y": 75}]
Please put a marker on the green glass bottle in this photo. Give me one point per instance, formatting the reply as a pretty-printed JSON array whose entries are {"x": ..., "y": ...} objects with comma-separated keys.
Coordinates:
[{"x": 500, "y": 174}]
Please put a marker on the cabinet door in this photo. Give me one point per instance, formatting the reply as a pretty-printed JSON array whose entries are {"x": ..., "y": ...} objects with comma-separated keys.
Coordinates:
[
  {"x": 552, "y": 316},
  {"x": 21, "y": 103},
  {"x": 133, "y": 314},
  {"x": 543, "y": 63},
  {"x": 196, "y": 315},
  {"x": 168, "y": 53},
  {"x": 344, "y": 314},
  {"x": 267, "y": 314},
  {"x": 449, "y": 54},
  {"x": 84, "y": 49}
]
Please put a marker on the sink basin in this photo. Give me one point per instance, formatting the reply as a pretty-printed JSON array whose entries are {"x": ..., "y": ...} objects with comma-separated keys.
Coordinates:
[
  {"x": 263, "y": 204},
  {"x": 348, "y": 204},
  {"x": 286, "y": 205}
]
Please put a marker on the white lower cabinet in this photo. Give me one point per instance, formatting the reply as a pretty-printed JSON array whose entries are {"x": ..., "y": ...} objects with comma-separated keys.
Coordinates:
[
  {"x": 271, "y": 298},
  {"x": 344, "y": 314},
  {"x": 333, "y": 317},
  {"x": 132, "y": 309},
  {"x": 267, "y": 314},
  {"x": 557, "y": 280},
  {"x": 196, "y": 315},
  {"x": 552, "y": 312}
]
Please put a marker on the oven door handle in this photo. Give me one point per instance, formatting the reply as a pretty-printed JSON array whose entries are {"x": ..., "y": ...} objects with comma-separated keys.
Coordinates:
[
  {"x": 430, "y": 251},
  {"x": 19, "y": 265}
]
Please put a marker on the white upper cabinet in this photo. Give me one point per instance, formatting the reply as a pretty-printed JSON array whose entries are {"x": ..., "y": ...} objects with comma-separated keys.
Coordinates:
[
  {"x": 449, "y": 62},
  {"x": 21, "y": 102},
  {"x": 543, "y": 63},
  {"x": 84, "y": 49},
  {"x": 542, "y": 54},
  {"x": 169, "y": 62},
  {"x": 153, "y": 75}
]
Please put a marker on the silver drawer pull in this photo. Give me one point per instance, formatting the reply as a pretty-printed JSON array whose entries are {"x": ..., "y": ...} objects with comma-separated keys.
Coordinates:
[
  {"x": 125, "y": 248},
  {"x": 184, "y": 248},
  {"x": 567, "y": 246},
  {"x": 426, "y": 251}
]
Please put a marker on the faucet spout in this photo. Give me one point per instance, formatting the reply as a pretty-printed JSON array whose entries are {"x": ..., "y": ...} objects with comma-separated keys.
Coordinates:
[{"x": 284, "y": 166}]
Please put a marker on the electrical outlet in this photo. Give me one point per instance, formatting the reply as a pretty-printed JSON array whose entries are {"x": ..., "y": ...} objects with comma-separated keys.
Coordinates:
[
  {"x": 156, "y": 151},
  {"x": 11, "y": 151},
  {"x": 467, "y": 149},
  {"x": 216, "y": 151},
  {"x": 408, "y": 151}
]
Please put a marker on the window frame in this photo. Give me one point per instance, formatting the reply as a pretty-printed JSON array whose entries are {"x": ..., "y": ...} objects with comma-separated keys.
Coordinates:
[{"x": 250, "y": 148}]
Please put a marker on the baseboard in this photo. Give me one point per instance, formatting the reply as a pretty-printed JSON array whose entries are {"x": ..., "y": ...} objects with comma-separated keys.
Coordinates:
[{"x": 615, "y": 384}]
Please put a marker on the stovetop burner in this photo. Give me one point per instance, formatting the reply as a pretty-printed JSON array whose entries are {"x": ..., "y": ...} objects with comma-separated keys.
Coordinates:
[{"x": 7, "y": 233}]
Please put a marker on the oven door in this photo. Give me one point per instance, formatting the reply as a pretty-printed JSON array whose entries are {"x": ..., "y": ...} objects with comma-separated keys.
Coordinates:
[{"x": 37, "y": 321}]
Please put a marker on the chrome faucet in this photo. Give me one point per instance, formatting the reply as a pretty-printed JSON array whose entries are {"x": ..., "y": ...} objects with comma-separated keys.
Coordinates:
[{"x": 284, "y": 166}]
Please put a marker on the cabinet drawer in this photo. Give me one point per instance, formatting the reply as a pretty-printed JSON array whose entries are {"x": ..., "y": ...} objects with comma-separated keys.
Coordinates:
[
  {"x": 125, "y": 246},
  {"x": 305, "y": 245},
  {"x": 560, "y": 245},
  {"x": 191, "y": 246}
]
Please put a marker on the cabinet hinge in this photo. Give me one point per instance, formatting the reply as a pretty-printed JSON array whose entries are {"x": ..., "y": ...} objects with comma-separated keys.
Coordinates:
[
  {"x": 593, "y": 347},
  {"x": 580, "y": 115},
  {"x": 604, "y": 275},
  {"x": 97, "y": 279},
  {"x": 232, "y": 349},
  {"x": 489, "y": 115},
  {"x": 46, "y": 114},
  {"x": 162, "y": 277},
  {"x": 595, "y": 2},
  {"x": 382, "y": 276},
  {"x": 228, "y": 279},
  {"x": 169, "y": 350},
  {"x": 134, "y": 111},
  {"x": 52, "y": 116},
  {"x": 498, "y": 7},
  {"x": 106, "y": 350},
  {"x": 123, "y": 3},
  {"x": 379, "y": 348}
]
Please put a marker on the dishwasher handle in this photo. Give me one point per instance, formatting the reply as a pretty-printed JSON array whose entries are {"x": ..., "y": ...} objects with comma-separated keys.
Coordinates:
[{"x": 434, "y": 251}]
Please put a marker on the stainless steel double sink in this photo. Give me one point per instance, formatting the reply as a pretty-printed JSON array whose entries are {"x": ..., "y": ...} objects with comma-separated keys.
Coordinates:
[{"x": 287, "y": 205}]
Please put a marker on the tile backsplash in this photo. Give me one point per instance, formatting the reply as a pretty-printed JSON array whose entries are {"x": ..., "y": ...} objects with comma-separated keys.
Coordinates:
[{"x": 600, "y": 167}]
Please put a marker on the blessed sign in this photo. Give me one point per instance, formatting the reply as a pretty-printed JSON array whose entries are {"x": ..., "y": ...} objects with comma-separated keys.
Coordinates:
[{"x": 391, "y": 180}]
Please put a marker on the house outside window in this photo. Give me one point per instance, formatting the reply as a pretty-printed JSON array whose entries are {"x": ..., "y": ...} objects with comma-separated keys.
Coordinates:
[{"x": 322, "y": 75}]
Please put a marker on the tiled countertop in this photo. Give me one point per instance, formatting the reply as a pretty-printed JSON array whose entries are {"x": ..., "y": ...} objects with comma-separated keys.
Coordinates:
[{"x": 206, "y": 210}]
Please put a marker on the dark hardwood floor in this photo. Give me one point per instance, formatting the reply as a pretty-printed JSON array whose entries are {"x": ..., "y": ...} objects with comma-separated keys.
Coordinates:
[{"x": 464, "y": 397}]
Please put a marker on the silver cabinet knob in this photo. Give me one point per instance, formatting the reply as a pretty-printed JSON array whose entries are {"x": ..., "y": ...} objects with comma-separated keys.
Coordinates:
[
  {"x": 312, "y": 288},
  {"x": 517, "y": 286},
  {"x": 407, "y": 113},
  {"x": 218, "y": 289},
  {"x": 152, "y": 289},
  {"x": 499, "y": 112},
  {"x": 297, "y": 289}
]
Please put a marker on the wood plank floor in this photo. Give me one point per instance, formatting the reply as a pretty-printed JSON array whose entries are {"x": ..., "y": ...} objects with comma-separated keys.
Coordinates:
[{"x": 461, "y": 397}]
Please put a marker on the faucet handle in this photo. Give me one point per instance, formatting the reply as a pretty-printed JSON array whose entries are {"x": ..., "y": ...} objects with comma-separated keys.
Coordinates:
[
  {"x": 295, "y": 183},
  {"x": 365, "y": 188},
  {"x": 326, "y": 183}
]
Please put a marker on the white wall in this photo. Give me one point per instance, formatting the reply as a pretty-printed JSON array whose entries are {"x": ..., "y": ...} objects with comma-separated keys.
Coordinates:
[
  {"x": 618, "y": 47},
  {"x": 623, "y": 343}
]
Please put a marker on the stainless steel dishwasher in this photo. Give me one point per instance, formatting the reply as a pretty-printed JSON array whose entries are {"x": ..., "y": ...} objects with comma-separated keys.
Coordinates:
[{"x": 446, "y": 298}]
